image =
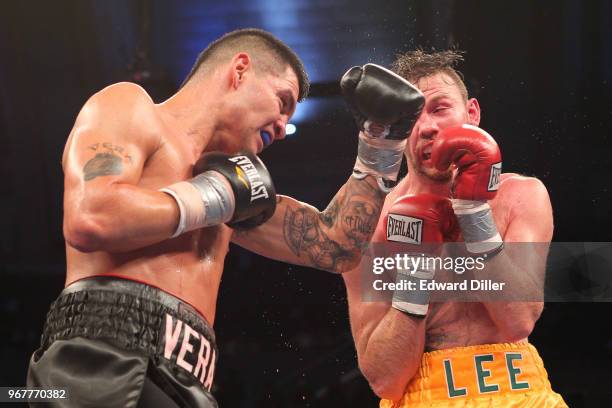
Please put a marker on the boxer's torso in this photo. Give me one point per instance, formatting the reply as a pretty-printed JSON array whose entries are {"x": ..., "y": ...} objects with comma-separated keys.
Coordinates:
[
  {"x": 189, "y": 266},
  {"x": 457, "y": 324}
]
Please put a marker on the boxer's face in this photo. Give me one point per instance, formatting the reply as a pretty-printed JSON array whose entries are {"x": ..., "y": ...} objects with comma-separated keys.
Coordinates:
[
  {"x": 264, "y": 105},
  {"x": 444, "y": 107}
]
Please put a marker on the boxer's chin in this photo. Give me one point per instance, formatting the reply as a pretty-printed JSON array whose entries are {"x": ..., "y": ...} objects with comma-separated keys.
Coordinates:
[
  {"x": 436, "y": 175},
  {"x": 427, "y": 170}
]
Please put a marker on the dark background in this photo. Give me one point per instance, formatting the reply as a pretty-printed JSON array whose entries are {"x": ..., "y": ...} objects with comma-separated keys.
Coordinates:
[{"x": 542, "y": 72}]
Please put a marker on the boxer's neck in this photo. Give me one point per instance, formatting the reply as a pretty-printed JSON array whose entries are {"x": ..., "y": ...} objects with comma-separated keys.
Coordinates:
[
  {"x": 417, "y": 183},
  {"x": 193, "y": 111}
]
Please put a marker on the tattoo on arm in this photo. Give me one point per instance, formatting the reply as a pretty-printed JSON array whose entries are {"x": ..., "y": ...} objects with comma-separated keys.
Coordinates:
[
  {"x": 242, "y": 233},
  {"x": 360, "y": 210},
  {"x": 359, "y": 221},
  {"x": 329, "y": 216},
  {"x": 303, "y": 234},
  {"x": 350, "y": 219},
  {"x": 107, "y": 161}
]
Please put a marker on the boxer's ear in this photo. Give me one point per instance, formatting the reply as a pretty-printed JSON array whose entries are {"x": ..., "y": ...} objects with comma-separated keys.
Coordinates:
[
  {"x": 473, "y": 111},
  {"x": 240, "y": 65}
]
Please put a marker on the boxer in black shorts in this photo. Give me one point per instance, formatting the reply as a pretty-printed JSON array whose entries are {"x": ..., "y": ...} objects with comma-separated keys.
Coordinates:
[{"x": 153, "y": 195}]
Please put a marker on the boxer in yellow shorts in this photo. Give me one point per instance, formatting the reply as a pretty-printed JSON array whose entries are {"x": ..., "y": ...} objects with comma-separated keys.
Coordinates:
[{"x": 471, "y": 353}]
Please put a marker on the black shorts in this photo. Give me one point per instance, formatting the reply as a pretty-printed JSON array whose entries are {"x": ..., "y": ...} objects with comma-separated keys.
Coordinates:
[{"x": 118, "y": 343}]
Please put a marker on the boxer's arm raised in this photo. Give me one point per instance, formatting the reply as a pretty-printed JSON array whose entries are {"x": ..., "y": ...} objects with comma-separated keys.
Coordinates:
[
  {"x": 389, "y": 343},
  {"x": 478, "y": 160},
  {"x": 104, "y": 209},
  {"x": 331, "y": 240},
  {"x": 385, "y": 107},
  {"x": 390, "y": 340}
]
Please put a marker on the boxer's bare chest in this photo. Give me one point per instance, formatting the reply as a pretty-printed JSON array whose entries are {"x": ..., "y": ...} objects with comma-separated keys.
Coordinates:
[
  {"x": 459, "y": 324},
  {"x": 188, "y": 266}
]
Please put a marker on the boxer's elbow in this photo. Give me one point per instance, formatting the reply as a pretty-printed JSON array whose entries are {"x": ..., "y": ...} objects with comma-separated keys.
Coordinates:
[
  {"x": 521, "y": 330},
  {"x": 523, "y": 323},
  {"x": 349, "y": 263},
  {"x": 382, "y": 384},
  {"x": 386, "y": 390},
  {"x": 86, "y": 233},
  {"x": 517, "y": 333}
]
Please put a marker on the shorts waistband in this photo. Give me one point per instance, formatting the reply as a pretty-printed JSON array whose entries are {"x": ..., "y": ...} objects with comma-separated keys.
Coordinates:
[
  {"x": 128, "y": 312},
  {"x": 131, "y": 287}
]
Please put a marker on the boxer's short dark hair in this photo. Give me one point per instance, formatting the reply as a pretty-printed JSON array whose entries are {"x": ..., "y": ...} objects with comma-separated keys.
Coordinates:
[
  {"x": 414, "y": 65},
  {"x": 269, "y": 53}
]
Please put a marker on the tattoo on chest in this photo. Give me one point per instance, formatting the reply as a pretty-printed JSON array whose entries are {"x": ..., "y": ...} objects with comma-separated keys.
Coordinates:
[{"x": 108, "y": 161}]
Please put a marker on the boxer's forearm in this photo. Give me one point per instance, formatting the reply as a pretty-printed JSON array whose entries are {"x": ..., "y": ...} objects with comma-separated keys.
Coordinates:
[
  {"x": 346, "y": 226},
  {"x": 391, "y": 354},
  {"x": 119, "y": 218},
  {"x": 515, "y": 309},
  {"x": 521, "y": 265},
  {"x": 330, "y": 240}
]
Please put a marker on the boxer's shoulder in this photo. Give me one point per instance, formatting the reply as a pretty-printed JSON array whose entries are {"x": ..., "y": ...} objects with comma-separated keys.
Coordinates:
[
  {"x": 379, "y": 231},
  {"x": 126, "y": 92},
  {"x": 398, "y": 191},
  {"x": 513, "y": 185},
  {"x": 123, "y": 101},
  {"x": 120, "y": 111},
  {"x": 522, "y": 198}
]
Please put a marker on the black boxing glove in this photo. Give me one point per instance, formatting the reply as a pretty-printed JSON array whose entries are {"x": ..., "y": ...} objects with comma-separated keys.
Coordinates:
[
  {"x": 251, "y": 183},
  {"x": 377, "y": 95},
  {"x": 385, "y": 107},
  {"x": 236, "y": 190}
]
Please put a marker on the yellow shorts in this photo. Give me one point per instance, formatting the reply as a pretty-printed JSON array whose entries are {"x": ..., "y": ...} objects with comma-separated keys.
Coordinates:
[{"x": 489, "y": 375}]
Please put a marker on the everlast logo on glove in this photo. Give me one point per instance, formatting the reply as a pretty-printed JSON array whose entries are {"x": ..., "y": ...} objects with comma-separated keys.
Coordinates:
[
  {"x": 246, "y": 167},
  {"x": 401, "y": 228},
  {"x": 494, "y": 177}
]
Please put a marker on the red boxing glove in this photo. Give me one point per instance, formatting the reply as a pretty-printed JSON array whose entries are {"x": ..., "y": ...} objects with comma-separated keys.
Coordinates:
[
  {"x": 478, "y": 161},
  {"x": 423, "y": 222},
  {"x": 421, "y": 219},
  {"x": 477, "y": 157}
]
